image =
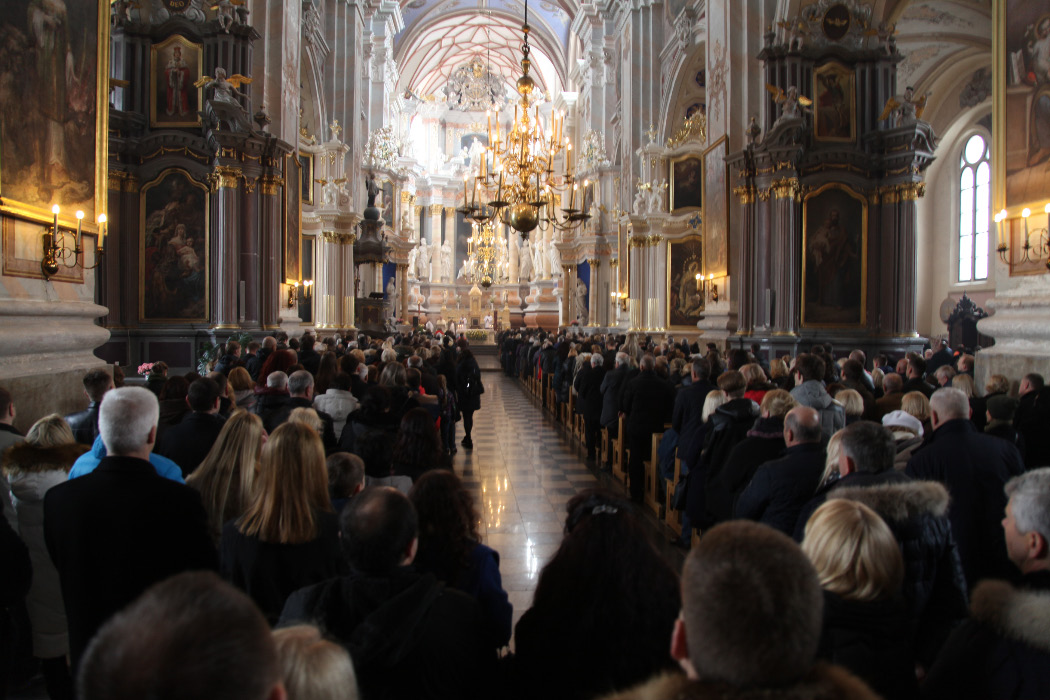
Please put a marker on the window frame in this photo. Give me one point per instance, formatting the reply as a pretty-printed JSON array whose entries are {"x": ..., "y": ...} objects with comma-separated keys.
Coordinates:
[{"x": 956, "y": 217}]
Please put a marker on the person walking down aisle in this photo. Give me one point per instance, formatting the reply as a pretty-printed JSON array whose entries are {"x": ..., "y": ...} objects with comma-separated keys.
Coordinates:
[{"x": 468, "y": 391}]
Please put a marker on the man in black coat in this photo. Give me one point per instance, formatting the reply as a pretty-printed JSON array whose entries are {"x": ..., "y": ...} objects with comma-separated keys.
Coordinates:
[
  {"x": 118, "y": 530},
  {"x": 591, "y": 397},
  {"x": 1032, "y": 420},
  {"x": 188, "y": 442},
  {"x": 917, "y": 514},
  {"x": 974, "y": 467},
  {"x": 301, "y": 395},
  {"x": 647, "y": 401},
  {"x": 254, "y": 363},
  {"x": 914, "y": 377},
  {"x": 780, "y": 488},
  {"x": 1003, "y": 651},
  {"x": 610, "y": 388},
  {"x": 409, "y": 635},
  {"x": 687, "y": 417},
  {"x": 85, "y": 423}
]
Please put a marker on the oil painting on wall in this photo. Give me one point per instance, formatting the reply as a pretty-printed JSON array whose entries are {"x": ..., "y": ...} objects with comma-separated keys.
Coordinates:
[
  {"x": 685, "y": 299},
  {"x": 835, "y": 243},
  {"x": 833, "y": 117},
  {"x": 716, "y": 210},
  {"x": 49, "y": 68},
  {"x": 176, "y": 66},
  {"x": 687, "y": 183},
  {"x": 173, "y": 257},
  {"x": 1024, "y": 87},
  {"x": 292, "y": 209}
]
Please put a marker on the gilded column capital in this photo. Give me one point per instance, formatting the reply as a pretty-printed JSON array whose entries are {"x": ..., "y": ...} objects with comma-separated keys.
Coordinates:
[
  {"x": 594, "y": 262},
  {"x": 637, "y": 242},
  {"x": 745, "y": 194},
  {"x": 225, "y": 177},
  {"x": 270, "y": 184},
  {"x": 338, "y": 238},
  {"x": 787, "y": 188},
  {"x": 435, "y": 209}
]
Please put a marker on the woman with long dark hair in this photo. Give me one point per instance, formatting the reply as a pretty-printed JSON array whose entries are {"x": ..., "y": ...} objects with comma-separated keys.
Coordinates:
[
  {"x": 288, "y": 537},
  {"x": 370, "y": 432},
  {"x": 418, "y": 446},
  {"x": 450, "y": 548},
  {"x": 468, "y": 391},
  {"x": 603, "y": 610},
  {"x": 326, "y": 371}
]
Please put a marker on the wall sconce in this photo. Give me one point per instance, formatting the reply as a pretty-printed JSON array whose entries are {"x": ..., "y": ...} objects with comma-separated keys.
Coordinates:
[
  {"x": 1029, "y": 252},
  {"x": 56, "y": 251},
  {"x": 620, "y": 299},
  {"x": 293, "y": 291}
]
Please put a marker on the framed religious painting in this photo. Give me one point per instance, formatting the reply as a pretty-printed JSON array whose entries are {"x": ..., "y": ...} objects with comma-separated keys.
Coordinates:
[
  {"x": 54, "y": 109},
  {"x": 306, "y": 176},
  {"x": 834, "y": 103},
  {"x": 715, "y": 216},
  {"x": 1021, "y": 94},
  {"x": 687, "y": 183},
  {"x": 175, "y": 65},
  {"x": 292, "y": 220},
  {"x": 173, "y": 250},
  {"x": 834, "y": 265},
  {"x": 685, "y": 293}
]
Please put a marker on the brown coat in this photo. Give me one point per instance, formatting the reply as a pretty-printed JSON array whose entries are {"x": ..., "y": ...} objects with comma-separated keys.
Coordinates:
[
  {"x": 824, "y": 682},
  {"x": 889, "y": 402}
]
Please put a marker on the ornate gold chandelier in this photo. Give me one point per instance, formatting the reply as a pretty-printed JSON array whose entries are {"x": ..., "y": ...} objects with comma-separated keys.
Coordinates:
[
  {"x": 515, "y": 181},
  {"x": 482, "y": 254}
]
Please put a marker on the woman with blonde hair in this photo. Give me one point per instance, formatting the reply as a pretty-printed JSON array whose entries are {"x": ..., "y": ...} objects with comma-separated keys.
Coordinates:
[
  {"x": 978, "y": 405},
  {"x": 916, "y": 404},
  {"x": 312, "y": 667},
  {"x": 307, "y": 416},
  {"x": 853, "y": 404},
  {"x": 243, "y": 388},
  {"x": 780, "y": 374},
  {"x": 33, "y": 467},
  {"x": 226, "y": 476},
  {"x": 757, "y": 386},
  {"x": 288, "y": 537},
  {"x": 867, "y": 626}
]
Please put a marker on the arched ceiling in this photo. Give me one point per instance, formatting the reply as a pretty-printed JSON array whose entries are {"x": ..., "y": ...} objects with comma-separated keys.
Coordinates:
[{"x": 440, "y": 35}]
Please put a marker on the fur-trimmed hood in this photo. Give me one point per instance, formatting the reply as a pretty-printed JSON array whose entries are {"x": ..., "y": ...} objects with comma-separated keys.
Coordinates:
[
  {"x": 824, "y": 682},
  {"x": 26, "y": 458},
  {"x": 899, "y": 501},
  {"x": 1021, "y": 614}
]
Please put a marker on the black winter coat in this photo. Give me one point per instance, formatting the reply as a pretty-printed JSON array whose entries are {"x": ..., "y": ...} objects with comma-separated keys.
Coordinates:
[
  {"x": 591, "y": 394},
  {"x": 468, "y": 385},
  {"x": 648, "y": 402},
  {"x": 408, "y": 635},
  {"x": 1003, "y": 652},
  {"x": 764, "y": 442},
  {"x": 782, "y": 487},
  {"x": 916, "y": 512},
  {"x": 975, "y": 468},
  {"x": 188, "y": 443},
  {"x": 84, "y": 424},
  {"x": 687, "y": 419},
  {"x": 872, "y": 639},
  {"x": 1032, "y": 420},
  {"x": 612, "y": 382},
  {"x": 726, "y": 427}
]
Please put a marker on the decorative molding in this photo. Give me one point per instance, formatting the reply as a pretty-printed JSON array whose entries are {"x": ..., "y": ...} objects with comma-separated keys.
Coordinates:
[
  {"x": 338, "y": 238},
  {"x": 787, "y": 187},
  {"x": 270, "y": 185},
  {"x": 435, "y": 209},
  {"x": 745, "y": 193},
  {"x": 224, "y": 177}
]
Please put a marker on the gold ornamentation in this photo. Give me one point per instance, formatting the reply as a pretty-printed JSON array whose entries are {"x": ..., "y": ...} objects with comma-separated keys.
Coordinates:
[
  {"x": 270, "y": 185},
  {"x": 224, "y": 177},
  {"x": 745, "y": 193},
  {"x": 787, "y": 187},
  {"x": 249, "y": 184},
  {"x": 338, "y": 238},
  {"x": 594, "y": 262},
  {"x": 435, "y": 209},
  {"x": 695, "y": 125},
  {"x": 636, "y": 242}
]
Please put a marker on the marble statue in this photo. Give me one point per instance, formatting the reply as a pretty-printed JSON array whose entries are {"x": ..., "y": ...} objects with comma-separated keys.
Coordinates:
[
  {"x": 905, "y": 109},
  {"x": 641, "y": 198},
  {"x": 555, "y": 258},
  {"x": 223, "y": 98},
  {"x": 525, "y": 262},
  {"x": 423, "y": 261},
  {"x": 595, "y": 222},
  {"x": 407, "y": 222},
  {"x": 412, "y": 255},
  {"x": 372, "y": 189},
  {"x": 581, "y": 302},
  {"x": 504, "y": 297},
  {"x": 224, "y": 14},
  {"x": 446, "y": 261},
  {"x": 656, "y": 197},
  {"x": 539, "y": 261},
  {"x": 391, "y": 289},
  {"x": 791, "y": 103}
]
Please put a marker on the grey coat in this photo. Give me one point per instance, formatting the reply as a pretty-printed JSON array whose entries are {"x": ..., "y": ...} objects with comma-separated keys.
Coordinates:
[{"x": 832, "y": 416}]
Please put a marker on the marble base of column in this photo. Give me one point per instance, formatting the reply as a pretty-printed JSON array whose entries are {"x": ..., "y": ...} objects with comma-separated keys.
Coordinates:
[{"x": 1021, "y": 332}]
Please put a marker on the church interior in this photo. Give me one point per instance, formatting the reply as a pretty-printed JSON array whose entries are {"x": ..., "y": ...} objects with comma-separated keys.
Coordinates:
[{"x": 173, "y": 173}]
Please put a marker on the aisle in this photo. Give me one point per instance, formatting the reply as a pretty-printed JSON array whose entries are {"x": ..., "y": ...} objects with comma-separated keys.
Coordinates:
[{"x": 522, "y": 472}]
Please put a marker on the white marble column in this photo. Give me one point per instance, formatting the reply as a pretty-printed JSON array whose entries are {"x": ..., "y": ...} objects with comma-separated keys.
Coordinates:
[
  {"x": 594, "y": 298},
  {"x": 435, "y": 211}
]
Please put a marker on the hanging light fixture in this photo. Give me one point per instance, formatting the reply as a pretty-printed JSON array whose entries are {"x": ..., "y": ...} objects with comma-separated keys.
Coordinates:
[
  {"x": 482, "y": 254},
  {"x": 520, "y": 187}
]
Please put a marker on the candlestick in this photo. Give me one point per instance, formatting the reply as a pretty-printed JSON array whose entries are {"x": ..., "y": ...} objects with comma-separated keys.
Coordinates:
[
  {"x": 1025, "y": 213},
  {"x": 80, "y": 226},
  {"x": 54, "y": 210},
  {"x": 101, "y": 229}
]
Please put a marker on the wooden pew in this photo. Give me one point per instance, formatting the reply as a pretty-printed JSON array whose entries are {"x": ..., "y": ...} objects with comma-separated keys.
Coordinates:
[
  {"x": 619, "y": 456},
  {"x": 672, "y": 517},
  {"x": 604, "y": 446},
  {"x": 652, "y": 477}
]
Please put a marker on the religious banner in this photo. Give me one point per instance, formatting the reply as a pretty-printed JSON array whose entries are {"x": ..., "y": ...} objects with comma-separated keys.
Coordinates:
[
  {"x": 834, "y": 269},
  {"x": 175, "y": 65},
  {"x": 53, "y": 108},
  {"x": 173, "y": 251},
  {"x": 1022, "y": 104},
  {"x": 685, "y": 285}
]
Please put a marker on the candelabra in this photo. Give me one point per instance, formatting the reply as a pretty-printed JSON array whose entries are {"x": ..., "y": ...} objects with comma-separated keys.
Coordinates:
[
  {"x": 56, "y": 252},
  {"x": 1029, "y": 252},
  {"x": 294, "y": 292},
  {"x": 481, "y": 252}
]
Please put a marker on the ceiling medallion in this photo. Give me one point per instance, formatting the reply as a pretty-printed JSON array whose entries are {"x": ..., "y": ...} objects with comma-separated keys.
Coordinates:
[{"x": 473, "y": 87}]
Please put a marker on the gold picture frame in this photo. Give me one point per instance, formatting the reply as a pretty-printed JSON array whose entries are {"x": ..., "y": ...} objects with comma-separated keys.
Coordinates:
[
  {"x": 685, "y": 295},
  {"x": 292, "y": 218},
  {"x": 834, "y": 258},
  {"x": 306, "y": 175},
  {"x": 713, "y": 262},
  {"x": 686, "y": 178},
  {"x": 175, "y": 59},
  {"x": 834, "y": 103},
  {"x": 21, "y": 194},
  {"x": 1016, "y": 92},
  {"x": 168, "y": 265}
]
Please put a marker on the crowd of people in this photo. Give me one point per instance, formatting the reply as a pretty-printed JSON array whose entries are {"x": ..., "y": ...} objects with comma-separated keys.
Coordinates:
[{"x": 289, "y": 526}]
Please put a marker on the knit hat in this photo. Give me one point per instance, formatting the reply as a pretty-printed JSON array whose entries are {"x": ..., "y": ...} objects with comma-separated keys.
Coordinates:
[
  {"x": 1002, "y": 407},
  {"x": 900, "y": 419}
]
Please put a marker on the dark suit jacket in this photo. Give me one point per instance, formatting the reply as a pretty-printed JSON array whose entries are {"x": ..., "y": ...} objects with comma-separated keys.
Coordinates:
[
  {"x": 115, "y": 532},
  {"x": 917, "y": 384},
  {"x": 591, "y": 393},
  {"x": 648, "y": 402},
  {"x": 188, "y": 443},
  {"x": 782, "y": 487},
  {"x": 85, "y": 424},
  {"x": 328, "y": 434},
  {"x": 688, "y": 411}
]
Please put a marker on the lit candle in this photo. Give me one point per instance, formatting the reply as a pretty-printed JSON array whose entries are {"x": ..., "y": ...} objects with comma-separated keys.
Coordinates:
[
  {"x": 54, "y": 210},
  {"x": 101, "y": 230},
  {"x": 572, "y": 196},
  {"x": 488, "y": 116},
  {"x": 464, "y": 190},
  {"x": 1025, "y": 213},
  {"x": 1046, "y": 210},
  {"x": 80, "y": 226}
]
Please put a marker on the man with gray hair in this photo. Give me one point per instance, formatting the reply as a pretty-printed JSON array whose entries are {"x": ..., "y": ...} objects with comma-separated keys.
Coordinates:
[
  {"x": 974, "y": 467},
  {"x": 118, "y": 530},
  {"x": 1003, "y": 650},
  {"x": 301, "y": 395},
  {"x": 271, "y": 401}
]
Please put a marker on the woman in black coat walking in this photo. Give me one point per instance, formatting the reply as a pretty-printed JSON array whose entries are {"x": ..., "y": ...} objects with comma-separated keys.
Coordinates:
[{"x": 468, "y": 391}]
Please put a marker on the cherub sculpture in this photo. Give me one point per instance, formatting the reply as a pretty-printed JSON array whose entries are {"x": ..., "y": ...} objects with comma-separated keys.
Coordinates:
[
  {"x": 224, "y": 14},
  {"x": 791, "y": 103},
  {"x": 905, "y": 109}
]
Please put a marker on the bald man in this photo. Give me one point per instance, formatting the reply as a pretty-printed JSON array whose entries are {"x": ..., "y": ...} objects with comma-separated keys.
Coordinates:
[{"x": 781, "y": 488}]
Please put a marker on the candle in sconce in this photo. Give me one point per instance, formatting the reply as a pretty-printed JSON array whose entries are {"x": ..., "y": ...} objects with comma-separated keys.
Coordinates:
[
  {"x": 101, "y": 230},
  {"x": 80, "y": 226},
  {"x": 55, "y": 210},
  {"x": 1025, "y": 213}
]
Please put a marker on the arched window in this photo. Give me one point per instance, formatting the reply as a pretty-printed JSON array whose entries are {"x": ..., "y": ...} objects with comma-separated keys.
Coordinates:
[{"x": 975, "y": 202}]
